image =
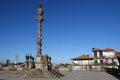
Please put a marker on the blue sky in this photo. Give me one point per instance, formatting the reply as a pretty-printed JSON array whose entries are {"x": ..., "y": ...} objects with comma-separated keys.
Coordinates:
[{"x": 70, "y": 28}]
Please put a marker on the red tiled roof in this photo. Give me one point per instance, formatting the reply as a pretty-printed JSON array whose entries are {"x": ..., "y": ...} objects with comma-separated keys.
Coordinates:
[
  {"x": 108, "y": 49},
  {"x": 83, "y": 57}
]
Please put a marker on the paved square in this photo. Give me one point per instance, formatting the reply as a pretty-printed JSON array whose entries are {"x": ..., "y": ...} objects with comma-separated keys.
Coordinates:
[{"x": 6, "y": 75}]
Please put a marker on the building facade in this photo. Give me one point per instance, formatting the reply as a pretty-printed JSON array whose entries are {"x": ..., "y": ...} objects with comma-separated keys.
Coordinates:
[
  {"x": 83, "y": 62},
  {"x": 100, "y": 59},
  {"x": 104, "y": 57}
]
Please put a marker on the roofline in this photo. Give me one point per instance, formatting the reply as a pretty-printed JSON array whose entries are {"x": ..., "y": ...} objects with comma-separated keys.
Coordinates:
[{"x": 83, "y": 59}]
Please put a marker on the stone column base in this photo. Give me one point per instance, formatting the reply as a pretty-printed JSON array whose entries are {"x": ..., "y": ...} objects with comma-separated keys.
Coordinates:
[{"x": 39, "y": 65}]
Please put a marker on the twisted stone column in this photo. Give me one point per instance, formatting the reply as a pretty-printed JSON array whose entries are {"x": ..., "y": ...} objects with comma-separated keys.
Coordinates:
[{"x": 39, "y": 18}]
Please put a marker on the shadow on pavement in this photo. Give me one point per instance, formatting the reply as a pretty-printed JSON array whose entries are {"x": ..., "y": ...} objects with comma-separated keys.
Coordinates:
[{"x": 114, "y": 72}]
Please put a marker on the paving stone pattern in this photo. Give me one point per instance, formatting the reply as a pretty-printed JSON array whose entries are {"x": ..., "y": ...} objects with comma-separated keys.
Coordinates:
[{"x": 6, "y": 75}]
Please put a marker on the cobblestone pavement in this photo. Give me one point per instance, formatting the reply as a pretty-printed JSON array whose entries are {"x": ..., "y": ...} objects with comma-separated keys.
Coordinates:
[{"x": 5, "y": 75}]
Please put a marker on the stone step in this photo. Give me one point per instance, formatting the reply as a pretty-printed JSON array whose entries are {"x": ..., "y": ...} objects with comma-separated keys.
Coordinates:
[{"x": 56, "y": 73}]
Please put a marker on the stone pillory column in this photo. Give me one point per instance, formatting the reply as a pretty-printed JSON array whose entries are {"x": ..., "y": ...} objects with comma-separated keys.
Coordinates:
[{"x": 39, "y": 18}]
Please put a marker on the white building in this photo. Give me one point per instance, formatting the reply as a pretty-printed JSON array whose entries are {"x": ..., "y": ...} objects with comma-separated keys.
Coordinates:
[
  {"x": 83, "y": 62},
  {"x": 104, "y": 57},
  {"x": 99, "y": 60}
]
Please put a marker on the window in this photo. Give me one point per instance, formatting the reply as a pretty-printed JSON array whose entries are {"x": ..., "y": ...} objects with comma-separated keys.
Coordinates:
[
  {"x": 95, "y": 62},
  {"x": 101, "y": 61},
  {"x": 95, "y": 54},
  {"x": 101, "y": 54}
]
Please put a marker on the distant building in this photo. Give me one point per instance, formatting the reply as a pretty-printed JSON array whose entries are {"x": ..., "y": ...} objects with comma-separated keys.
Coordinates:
[
  {"x": 0, "y": 65},
  {"x": 117, "y": 55},
  {"x": 83, "y": 62},
  {"x": 7, "y": 62},
  {"x": 99, "y": 60},
  {"x": 104, "y": 57}
]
